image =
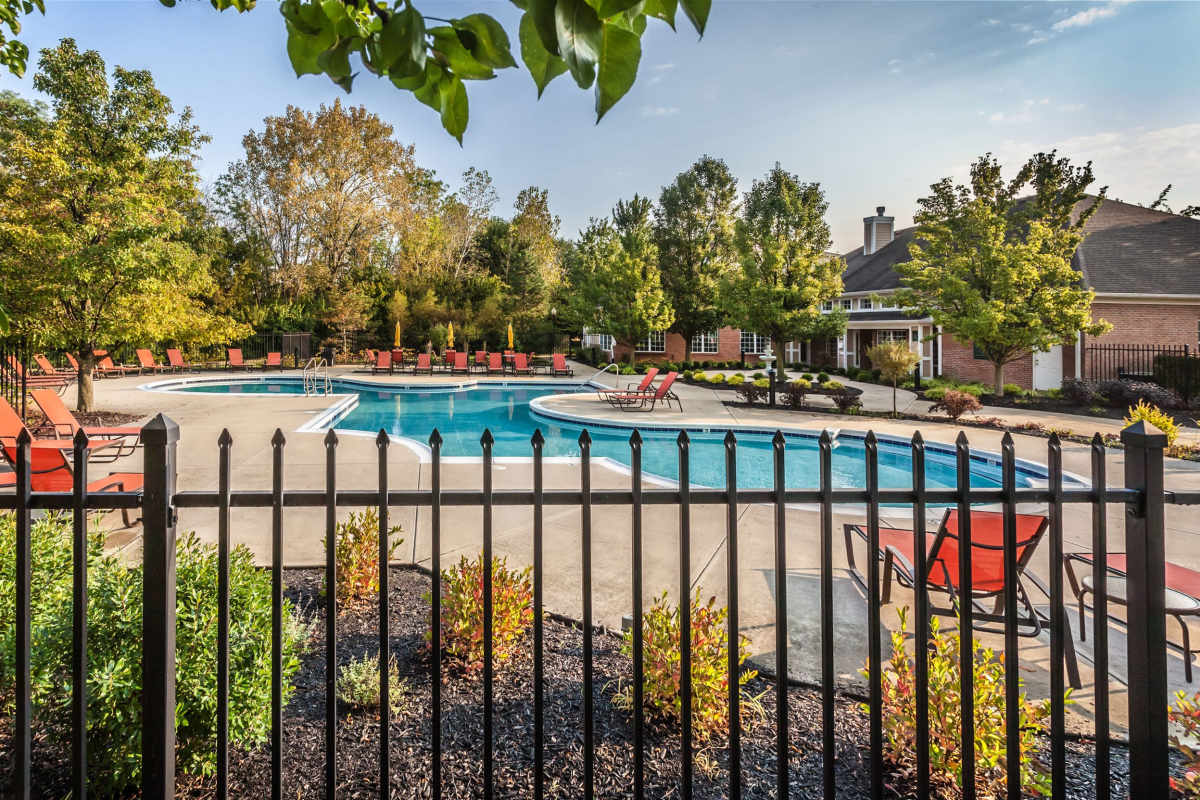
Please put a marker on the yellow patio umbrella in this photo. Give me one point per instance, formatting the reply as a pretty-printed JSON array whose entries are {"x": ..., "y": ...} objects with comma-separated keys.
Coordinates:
[
  {"x": 396, "y": 342},
  {"x": 510, "y": 344},
  {"x": 450, "y": 335}
]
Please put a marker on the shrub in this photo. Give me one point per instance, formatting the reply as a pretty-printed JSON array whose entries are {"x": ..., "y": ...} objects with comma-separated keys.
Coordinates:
[
  {"x": 758, "y": 375},
  {"x": 462, "y": 611},
  {"x": 710, "y": 659},
  {"x": 358, "y": 684},
  {"x": 626, "y": 369},
  {"x": 1014, "y": 390},
  {"x": 847, "y": 402},
  {"x": 807, "y": 376},
  {"x": 794, "y": 392},
  {"x": 736, "y": 380},
  {"x": 945, "y": 764},
  {"x": 751, "y": 393},
  {"x": 935, "y": 393},
  {"x": 356, "y": 551},
  {"x": 115, "y": 652},
  {"x": 1079, "y": 393},
  {"x": 832, "y": 385},
  {"x": 699, "y": 376},
  {"x": 822, "y": 377},
  {"x": 717, "y": 378},
  {"x": 1156, "y": 417},
  {"x": 800, "y": 383},
  {"x": 956, "y": 403},
  {"x": 762, "y": 383},
  {"x": 1128, "y": 393},
  {"x": 1185, "y": 717}
]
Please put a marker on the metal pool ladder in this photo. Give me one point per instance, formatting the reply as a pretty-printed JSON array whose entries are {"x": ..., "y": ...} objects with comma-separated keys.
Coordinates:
[
  {"x": 316, "y": 377},
  {"x": 599, "y": 372}
]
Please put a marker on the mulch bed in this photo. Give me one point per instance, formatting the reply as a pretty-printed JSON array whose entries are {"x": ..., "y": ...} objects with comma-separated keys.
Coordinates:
[{"x": 462, "y": 726}]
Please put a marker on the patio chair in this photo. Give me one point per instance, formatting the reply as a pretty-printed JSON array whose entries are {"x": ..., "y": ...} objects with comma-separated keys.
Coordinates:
[
  {"x": 448, "y": 360},
  {"x": 632, "y": 388},
  {"x": 58, "y": 382},
  {"x": 480, "y": 362},
  {"x": 51, "y": 371},
  {"x": 274, "y": 361},
  {"x": 987, "y": 571},
  {"x": 147, "y": 363},
  {"x": 369, "y": 357},
  {"x": 1182, "y": 597},
  {"x": 50, "y": 471},
  {"x": 64, "y": 424},
  {"x": 234, "y": 360},
  {"x": 106, "y": 368},
  {"x": 649, "y": 399},
  {"x": 558, "y": 365},
  {"x": 11, "y": 426},
  {"x": 460, "y": 364},
  {"x": 423, "y": 364},
  {"x": 521, "y": 364},
  {"x": 175, "y": 359},
  {"x": 495, "y": 364},
  {"x": 383, "y": 363}
]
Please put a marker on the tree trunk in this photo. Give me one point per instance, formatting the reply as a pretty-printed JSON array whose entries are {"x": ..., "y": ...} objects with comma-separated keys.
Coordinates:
[
  {"x": 687, "y": 347},
  {"x": 893, "y": 398},
  {"x": 998, "y": 379},
  {"x": 83, "y": 381}
]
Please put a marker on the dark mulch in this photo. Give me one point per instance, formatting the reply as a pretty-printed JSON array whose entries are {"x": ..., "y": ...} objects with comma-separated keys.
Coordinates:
[
  {"x": 99, "y": 419},
  {"x": 358, "y": 748}
]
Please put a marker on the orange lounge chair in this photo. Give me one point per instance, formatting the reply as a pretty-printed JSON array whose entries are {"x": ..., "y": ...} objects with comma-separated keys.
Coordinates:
[
  {"x": 383, "y": 362},
  {"x": 648, "y": 399},
  {"x": 495, "y": 365},
  {"x": 423, "y": 364},
  {"x": 105, "y": 367},
  {"x": 58, "y": 382},
  {"x": 50, "y": 471},
  {"x": 633, "y": 388},
  {"x": 51, "y": 371},
  {"x": 987, "y": 571},
  {"x": 558, "y": 365},
  {"x": 64, "y": 424},
  {"x": 234, "y": 360},
  {"x": 11, "y": 426},
  {"x": 521, "y": 364},
  {"x": 147, "y": 362},
  {"x": 274, "y": 360},
  {"x": 480, "y": 362},
  {"x": 175, "y": 359},
  {"x": 460, "y": 364}
]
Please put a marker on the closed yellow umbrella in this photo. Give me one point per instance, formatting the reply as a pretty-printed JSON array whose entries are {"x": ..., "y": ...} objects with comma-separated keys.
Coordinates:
[
  {"x": 510, "y": 338},
  {"x": 396, "y": 342},
  {"x": 450, "y": 335}
]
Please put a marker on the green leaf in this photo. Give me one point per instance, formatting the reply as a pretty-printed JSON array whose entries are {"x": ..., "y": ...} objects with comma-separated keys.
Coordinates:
[
  {"x": 579, "y": 34},
  {"x": 303, "y": 50},
  {"x": 428, "y": 91},
  {"x": 609, "y": 8},
  {"x": 662, "y": 9},
  {"x": 542, "y": 13},
  {"x": 620, "y": 53},
  {"x": 335, "y": 62},
  {"x": 454, "y": 55},
  {"x": 454, "y": 107},
  {"x": 543, "y": 65},
  {"x": 307, "y": 18},
  {"x": 486, "y": 40},
  {"x": 697, "y": 12},
  {"x": 402, "y": 43}
]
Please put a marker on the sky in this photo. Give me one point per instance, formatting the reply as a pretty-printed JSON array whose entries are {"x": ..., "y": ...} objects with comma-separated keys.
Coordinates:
[{"x": 875, "y": 100}]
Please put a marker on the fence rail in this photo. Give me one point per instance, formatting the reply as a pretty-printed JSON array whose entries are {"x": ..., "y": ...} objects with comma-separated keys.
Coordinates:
[
  {"x": 13, "y": 382},
  {"x": 1142, "y": 494}
]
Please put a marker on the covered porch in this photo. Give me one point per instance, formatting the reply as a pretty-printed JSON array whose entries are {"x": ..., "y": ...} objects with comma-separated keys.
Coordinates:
[{"x": 921, "y": 335}]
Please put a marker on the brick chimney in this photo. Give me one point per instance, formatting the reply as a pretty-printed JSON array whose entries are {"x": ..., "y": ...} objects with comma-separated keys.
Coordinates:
[{"x": 877, "y": 231}]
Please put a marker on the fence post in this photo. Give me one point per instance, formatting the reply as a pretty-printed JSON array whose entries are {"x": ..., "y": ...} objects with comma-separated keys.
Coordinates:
[
  {"x": 158, "y": 610},
  {"x": 1145, "y": 587}
]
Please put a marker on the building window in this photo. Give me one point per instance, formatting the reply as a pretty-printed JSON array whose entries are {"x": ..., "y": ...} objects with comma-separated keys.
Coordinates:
[
  {"x": 887, "y": 302},
  {"x": 753, "y": 343},
  {"x": 916, "y": 335},
  {"x": 976, "y": 353},
  {"x": 705, "y": 342},
  {"x": 827, "y": 305},
  {"x": 891, "y": 336},
  {"x": 600, "y": 340},
  {"x": 656, "y": 342},
  {"x": 865, "y": 304},
  {"x": 847, "y": 303}
]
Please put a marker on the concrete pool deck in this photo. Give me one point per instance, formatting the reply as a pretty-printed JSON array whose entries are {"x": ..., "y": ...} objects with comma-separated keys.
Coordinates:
[{"x": 252, "y": 419}]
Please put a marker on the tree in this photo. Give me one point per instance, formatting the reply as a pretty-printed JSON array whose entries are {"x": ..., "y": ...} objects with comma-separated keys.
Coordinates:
[
  {"x": 694, "y": 231},
  {"x": 1160, "y": 204},
  {"x": 93, "y": 209},
  {"x": 348, "y": 314},
  {"x": 464, "y": 214},
  {"x": 993, "y": 269},
  {"x": 785, "y": 271},
  {"x": 598, "y": 41},
  {"x": 618, "y": 290},
  {"x": 895, "y": 360}
]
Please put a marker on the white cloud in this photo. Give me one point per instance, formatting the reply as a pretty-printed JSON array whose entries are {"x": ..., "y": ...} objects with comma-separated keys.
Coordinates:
[
  {"x": 659, "y": 111},
  {"x": 1039, "y": 38},
  {"x": 991, "y": 22},
  {"x": 664, "y": 67},
  {"x": 1082, "y": 19},
  {"x": 894, "y": 66}
]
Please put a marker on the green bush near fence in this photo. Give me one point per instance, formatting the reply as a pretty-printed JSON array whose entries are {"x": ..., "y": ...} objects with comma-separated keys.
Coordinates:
[
  {"x": 1181, "y": 373},
  {"x": 115, "y": 650}
]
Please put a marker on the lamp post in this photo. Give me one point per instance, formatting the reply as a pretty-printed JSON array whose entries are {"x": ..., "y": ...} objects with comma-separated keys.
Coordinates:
[{"x": 769, "y": 359}]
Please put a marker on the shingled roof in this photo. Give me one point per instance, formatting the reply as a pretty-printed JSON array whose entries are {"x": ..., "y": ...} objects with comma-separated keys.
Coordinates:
[{"x": 1128, "y": 249}]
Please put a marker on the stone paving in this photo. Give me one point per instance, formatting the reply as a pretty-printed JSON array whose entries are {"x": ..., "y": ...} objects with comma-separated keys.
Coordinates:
[{"x": 252, "y": 419}]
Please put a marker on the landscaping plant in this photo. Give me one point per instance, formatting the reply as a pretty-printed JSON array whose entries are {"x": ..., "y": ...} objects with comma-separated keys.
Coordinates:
[
  {"x": 462, "y": 611},
  {"x": 710, "y": 661},
  {"x": 945, "y": 764},
  {"x": 794, "y": 392},
  {"x": 895, "y": 361},
  {"x": 358, "y": 684},
  {"x": 115, "y": 650},
  {"x": 956, "y": 403},
  {"x": 356, "y": 552},
  {"x": 1154, "y": 415},
  {"x": 1185, "y": 716}
]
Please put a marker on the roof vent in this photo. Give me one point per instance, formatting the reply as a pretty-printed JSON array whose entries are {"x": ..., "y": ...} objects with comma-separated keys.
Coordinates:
[
  {"x": 877, "y": 231},
  {"x": 879, "y": 211}
]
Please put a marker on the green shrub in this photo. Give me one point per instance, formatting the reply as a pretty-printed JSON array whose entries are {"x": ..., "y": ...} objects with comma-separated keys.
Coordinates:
[
  {"x": 807, "y": 376},
  {"x": 794, "y": 392},
  {"x": 115, "y": 650},
  {"x": 832, "y": 385},
  {"x": 822, "y": 377},
  {"x": 710, "y": 660},
  {"x": 935, "y": 392},
  {"x": 356, "y": 552},
  {"x": 1014, "y": 390},
  {"x": 717, "y": 378},
  {"x": 762, "y": 383},
  {"x": 945, "y": 763},
  {"x": 847, "y": 402},
  {"x": 462, "y": 611},
  {"x": 358, "y": 684},
  {"x": 800, "y": 383},
  {"x": 736, "y": 380},
  {"x": 699, "y": 376},
  {"x": 758, "y": 375},
  {"x": 1154, "y": 415},
  {"x": 626, "y": 369}
]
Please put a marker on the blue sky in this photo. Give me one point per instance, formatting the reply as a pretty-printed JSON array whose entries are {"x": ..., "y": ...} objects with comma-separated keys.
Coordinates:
[{"x": 874, "y": 100}]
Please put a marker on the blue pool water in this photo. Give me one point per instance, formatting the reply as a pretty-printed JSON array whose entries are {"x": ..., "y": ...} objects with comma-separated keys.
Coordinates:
[{"x": 461, "y": 414}]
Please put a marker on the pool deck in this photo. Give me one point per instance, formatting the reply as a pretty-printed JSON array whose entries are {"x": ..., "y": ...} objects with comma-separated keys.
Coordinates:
[{"x": 251, "y": 419}]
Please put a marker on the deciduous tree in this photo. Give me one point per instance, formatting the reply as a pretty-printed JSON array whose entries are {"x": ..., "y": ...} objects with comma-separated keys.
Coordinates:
[
  {"x": 93, "y": 208},
  {"x": 993, "y": 268},
  {"x": 895, "y": 360}
]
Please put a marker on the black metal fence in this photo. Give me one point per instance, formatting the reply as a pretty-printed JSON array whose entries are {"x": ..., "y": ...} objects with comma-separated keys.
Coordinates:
[
  {"x": 1102, "y": 362},
  {"x": 14, "y": 361},
  {"x": 1142, "y": 495}
]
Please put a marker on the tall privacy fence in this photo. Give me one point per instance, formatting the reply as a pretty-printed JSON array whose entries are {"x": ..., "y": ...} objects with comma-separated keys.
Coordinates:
[
  {"x": 1141, "y": 493},
  {"x": 1176, "y": 366}
]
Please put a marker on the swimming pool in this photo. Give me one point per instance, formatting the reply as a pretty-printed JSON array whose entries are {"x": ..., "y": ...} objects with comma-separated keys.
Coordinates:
[{"x": 461, "y": 413}]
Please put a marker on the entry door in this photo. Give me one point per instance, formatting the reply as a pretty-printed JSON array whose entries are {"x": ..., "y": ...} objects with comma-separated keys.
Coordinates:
[{"x": 1048, "y": 369}]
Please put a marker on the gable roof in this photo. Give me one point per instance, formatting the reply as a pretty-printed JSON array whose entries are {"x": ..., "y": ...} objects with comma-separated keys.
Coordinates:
[{"x": 1128, "y": 249}]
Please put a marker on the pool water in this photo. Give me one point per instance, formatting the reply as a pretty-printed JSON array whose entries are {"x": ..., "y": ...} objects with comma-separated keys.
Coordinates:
[{"x": 461, "y": 414}]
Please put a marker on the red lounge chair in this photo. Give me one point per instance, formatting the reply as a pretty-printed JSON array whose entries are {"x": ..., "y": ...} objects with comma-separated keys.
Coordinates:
[
  {"x": 647, "y": 400},
  {"x": 480, "y": 362},
  {"x": 147, "y": 363},
  {"x": 423, "y": 364},
  {"x": 521, "y": 364},
  {"x": 987, "y": 571},
  {"x": 632, "y": 388},
  {"x": 58, "y": 382},
  {"x": 65, "y": 424},
  {"x": 460, "y": 364},
  {"x": 175, "y": 359},
  {"x": 558, "y": 365},
  {"x": 50, "y": 471},
  {"x": 106, "y": 367},
  {"x": 495, "y": 365},
  {"x": 369, "y": 359},
  {"x": 234, "y": 360},
  {"x": 11, "y": 426},
  {"x": 50, "y": 371},
  {"x": 383, "y": 362},
  {"x": 448, "y": 360},
  {"x": 1182, "y": 600},
  {"x": 274, "y": 361}
]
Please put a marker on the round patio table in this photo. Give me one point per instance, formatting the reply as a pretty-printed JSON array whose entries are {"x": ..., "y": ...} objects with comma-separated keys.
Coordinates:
[{"x": 1176, "y": 604}]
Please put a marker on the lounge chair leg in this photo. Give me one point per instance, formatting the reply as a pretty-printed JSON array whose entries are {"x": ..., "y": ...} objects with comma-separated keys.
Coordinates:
[
  {"x": 1069, "y": 654},
  {"x": 1187, "y": 649},
  {"x": 885, "y": 596},
  {"x": 1082, "y": 620}
]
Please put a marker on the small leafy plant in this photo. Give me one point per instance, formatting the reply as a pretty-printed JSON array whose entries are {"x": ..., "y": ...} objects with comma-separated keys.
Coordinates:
[
  {"x": 1185, "y": 715},
  {"x": 462, "y": 611},
  {"x": 945, "y": 757},
  {"x": 751, "y": 393},
  {"x": 955, "y": 403},
  {"x": 1144, "y": 412},
  {"x": 710, "y": 660},
  {"x": 795, "y": 391},
  {"x": 356, "y": 553},
  {"x": 358, "y": 684}
]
